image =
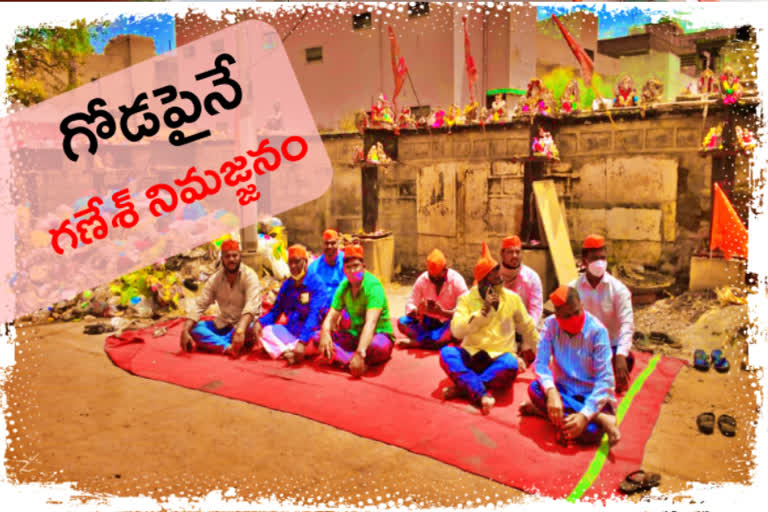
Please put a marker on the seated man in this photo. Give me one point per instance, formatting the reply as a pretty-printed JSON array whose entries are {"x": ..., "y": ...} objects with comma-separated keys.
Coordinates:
[
  {"x": 577, "y": 393},
  {"x": 324, "y": 275},
  {"x": 293, "y": 300},
  {"x": 237, "y": 291},
  {"x": 609, "y": 301},
  {"x": 369, "y": 339},
  {"x": 486, "y": 320},
  {"x": 431, "y": 305},
  {"x": 519, "y": 278}
]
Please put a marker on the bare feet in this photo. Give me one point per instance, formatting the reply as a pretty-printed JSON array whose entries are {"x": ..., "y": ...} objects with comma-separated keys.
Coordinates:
[
  {"x": 403, "y": 343},
  {"x": 451, "y": 392},
  {"x": 290, "y": 357},
  {"x": 298, "y": 352},
  {"x": 487, "y": 403},
  {"x": 608, "y": 422},
  {"x": 528, "y": 409}
]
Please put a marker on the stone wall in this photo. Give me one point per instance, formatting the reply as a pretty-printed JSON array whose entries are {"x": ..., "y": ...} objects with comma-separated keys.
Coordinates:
[{"x": 637, "y": 179}]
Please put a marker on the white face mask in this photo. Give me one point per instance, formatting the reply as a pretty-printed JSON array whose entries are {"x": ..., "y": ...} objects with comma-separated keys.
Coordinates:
[{"x": 597, "y": 267}]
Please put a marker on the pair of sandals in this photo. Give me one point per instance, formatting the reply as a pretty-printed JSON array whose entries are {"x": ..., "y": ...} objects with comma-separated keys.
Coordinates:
[
  {"x": 718, "y": 361},
  {"x": 726, "y": 424},
  {"x": 639, "y": 481}
]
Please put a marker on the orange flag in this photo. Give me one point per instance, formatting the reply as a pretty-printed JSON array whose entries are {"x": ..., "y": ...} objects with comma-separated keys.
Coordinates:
[
  {"x": 587, "y": 66},
  {"x": 728, "y": 232},
  {"x": 399, "y": 69},
  {"x": 469, "y": 62}
]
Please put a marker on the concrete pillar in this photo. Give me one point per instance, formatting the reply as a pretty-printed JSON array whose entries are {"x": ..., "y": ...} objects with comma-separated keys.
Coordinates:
[{"x": 522, "y": 45}]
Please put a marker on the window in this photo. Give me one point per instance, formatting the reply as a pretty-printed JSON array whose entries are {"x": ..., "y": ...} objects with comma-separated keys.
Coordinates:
[
  {"x": 314, "y": 54},
  {"x": 418, "y": 8},
  {"x": 421, "y": 111},
  {"x": 688, "y": 60},
  {"x": 362, "y": 20}
]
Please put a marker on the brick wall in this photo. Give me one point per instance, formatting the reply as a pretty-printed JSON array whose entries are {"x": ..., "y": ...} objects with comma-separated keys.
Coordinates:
[{"x": 640, "y": 181}]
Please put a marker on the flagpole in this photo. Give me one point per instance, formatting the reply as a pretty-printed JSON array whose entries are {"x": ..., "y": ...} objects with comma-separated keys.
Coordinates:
[{"x": 418, "y": 101}]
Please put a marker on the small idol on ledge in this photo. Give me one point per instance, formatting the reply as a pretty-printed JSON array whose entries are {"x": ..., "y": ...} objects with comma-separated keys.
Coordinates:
[
  {"x": 569, "y": 101},
  {"x": 625, "y": 94},
  {"x": 382, "y": 115},
  {"x": 537, "y": 100},
  {"x": 437, "y": 119},
  {"x": 499, "y": 109},
  {"x": 377, "y": 155},
  {"x": 406, "y": 120},
  {"x": 652, "y": 92},
  {"x": 471, "y": 113},
  {"x": 746, "y": 139},
  {"x": 544, "y": 146},
  {"x": 713, "y": 140},
  {"x": 730, "y": 88}
]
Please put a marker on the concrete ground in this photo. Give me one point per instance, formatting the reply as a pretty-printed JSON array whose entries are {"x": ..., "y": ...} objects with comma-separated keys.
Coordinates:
[{"x": 78, "y": 418}]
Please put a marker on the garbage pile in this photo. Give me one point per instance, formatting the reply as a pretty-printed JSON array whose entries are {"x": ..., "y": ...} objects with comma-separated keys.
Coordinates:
[{"x": 161, "y": 291}]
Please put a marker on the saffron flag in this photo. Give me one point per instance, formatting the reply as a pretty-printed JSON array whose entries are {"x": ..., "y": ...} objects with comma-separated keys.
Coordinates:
[
  {"x": 470, "y": 63},
  {"x": 728, "y": 232},
  {"x": 399, "y": 69},
  {"x": 587, "y": 66}
]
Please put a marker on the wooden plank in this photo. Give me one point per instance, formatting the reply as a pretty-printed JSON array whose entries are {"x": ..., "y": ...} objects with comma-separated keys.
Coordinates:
[
  {"x": 552, "y": 219},
  {"x": 436, "y": 200}
]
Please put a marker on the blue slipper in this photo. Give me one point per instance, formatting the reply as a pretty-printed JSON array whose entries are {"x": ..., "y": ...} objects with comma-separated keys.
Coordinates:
[
  {"x": 700, "y": 360},
  {"x": 720, "y": 362}
]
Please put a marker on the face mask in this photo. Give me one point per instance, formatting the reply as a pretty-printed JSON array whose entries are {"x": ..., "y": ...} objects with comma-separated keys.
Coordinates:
[
  {"x": 572, "y": 325},
  {"x": 597, "y": 267},
  {"x": 300, "y": 275},
  {"x": 356, "y": 277}
]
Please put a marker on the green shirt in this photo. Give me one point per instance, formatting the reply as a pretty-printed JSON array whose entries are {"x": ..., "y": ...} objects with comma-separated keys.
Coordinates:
[{"x": 370, "y": 296}]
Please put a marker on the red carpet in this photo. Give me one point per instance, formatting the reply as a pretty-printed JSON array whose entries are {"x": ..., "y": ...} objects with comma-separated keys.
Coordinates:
[{"x": 400, "y": 404}]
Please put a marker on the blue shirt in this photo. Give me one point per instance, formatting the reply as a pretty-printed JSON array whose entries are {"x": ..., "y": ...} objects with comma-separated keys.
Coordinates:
[
  {"x": 294, "y": 301},
  {"x": 581, "y": 364},
  {"x": 322, "y": 275},
  {"x": 322, "y": 279}
]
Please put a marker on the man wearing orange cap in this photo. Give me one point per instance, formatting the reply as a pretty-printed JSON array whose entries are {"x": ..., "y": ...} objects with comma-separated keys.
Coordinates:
[
  {"x": 324, "y": 275},
  {"x": 369, "y": 339},
  {"x": 576, "y": 393},
  {"x": 237, "y": 291},
  {"x": 486, "y": 320},
  {"x": 610, "y": 301},
  {"x": 519, "y": 278},
  {"x": 431, "y": 304},
  {"x": 293, "y": 300}
]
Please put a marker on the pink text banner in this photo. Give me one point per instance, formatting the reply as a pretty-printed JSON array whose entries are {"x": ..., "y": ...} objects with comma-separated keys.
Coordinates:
[{"x": 152, "y": 161}]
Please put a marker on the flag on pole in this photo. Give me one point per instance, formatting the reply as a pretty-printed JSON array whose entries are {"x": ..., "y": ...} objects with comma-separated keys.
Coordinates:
[
  {"x": 399, "y": 69},
  {"x": 587, "y": 66},
  {"x": 470, "y": 63},
  {"x": 728, "y": 232}
]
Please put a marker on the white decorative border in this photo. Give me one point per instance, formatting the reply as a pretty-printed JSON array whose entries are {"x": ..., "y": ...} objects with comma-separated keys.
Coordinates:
[{"x": 706, "y": 497}]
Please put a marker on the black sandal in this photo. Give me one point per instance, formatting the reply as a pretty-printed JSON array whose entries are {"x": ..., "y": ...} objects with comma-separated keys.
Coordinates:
[
  {"x": 639, "y": 481},
  {"x": 706, "y": 422},
  {"x": 727, "y": 425}
]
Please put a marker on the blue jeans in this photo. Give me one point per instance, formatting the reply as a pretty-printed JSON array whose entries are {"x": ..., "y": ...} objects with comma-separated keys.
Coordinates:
[
  {"x": 479, "y": 373},
  {"x": 212, "y": 339},
  {"x": 429, "y": 333}
]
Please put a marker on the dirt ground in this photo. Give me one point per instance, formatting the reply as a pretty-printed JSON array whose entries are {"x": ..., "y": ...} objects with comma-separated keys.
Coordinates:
[{"x": 78, "y": 418}]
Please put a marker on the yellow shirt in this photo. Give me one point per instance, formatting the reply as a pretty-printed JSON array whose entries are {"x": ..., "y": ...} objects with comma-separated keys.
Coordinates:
[{"x": 494, "y": 333}]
